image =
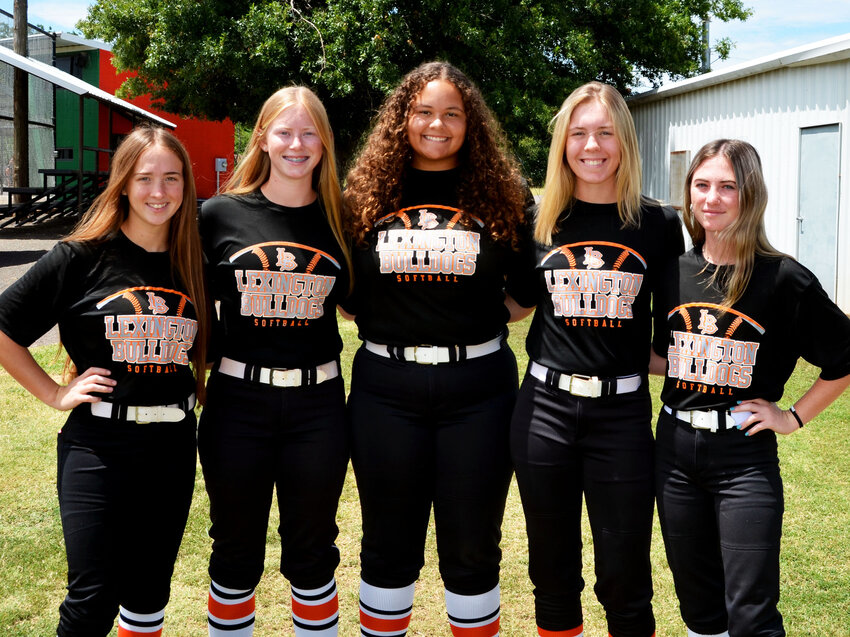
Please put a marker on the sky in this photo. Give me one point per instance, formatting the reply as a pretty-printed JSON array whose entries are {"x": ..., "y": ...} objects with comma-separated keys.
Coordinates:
[{"x": 776, "y": 25}]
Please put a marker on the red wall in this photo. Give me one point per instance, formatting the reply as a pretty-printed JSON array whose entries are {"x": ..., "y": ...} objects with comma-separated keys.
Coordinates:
[{"x": 204, "y": 140}]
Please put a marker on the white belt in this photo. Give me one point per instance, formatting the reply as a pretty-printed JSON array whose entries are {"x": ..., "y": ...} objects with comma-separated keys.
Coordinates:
[
  {"x": 279, "y": 377},
  {"x": 434, "y": 354},
  {"x": 144, "y": 414},
  {"x": 711, "y": 419},
  {"x": 585, "y": 386}
]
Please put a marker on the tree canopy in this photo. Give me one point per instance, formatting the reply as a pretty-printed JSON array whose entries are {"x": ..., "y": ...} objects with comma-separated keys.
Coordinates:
[{"x": 223, "y": 58}]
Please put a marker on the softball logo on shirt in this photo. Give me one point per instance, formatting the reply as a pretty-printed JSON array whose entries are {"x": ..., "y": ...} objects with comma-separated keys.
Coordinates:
[
  {"x": 155, "y": 337},
  {"x": 708, "y": 359},
  {"x": 600, "y": 295},
  {"x": 439, "y": 252},
  {"x": 278, "y": 284}
]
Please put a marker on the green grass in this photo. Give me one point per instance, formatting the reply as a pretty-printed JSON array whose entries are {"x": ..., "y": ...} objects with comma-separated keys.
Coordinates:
[{"x": 815, "y": 556}]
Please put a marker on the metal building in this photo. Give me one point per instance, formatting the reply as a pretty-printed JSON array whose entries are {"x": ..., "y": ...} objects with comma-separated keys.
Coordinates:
[{"x": 794, "y": 107}]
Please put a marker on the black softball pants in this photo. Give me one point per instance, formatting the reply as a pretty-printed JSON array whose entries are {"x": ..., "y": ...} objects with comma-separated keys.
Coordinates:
[
  {"x": 720, "y": 504},
  {"x": 253, "y": 439},
  {"x": 564, "y": 446},
  {"x": 432, "y": 434},
  {"x": 124, "y": 495}
]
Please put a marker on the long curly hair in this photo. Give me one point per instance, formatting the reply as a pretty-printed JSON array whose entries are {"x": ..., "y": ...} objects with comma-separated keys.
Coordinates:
[{"x": 490, "y": 185}]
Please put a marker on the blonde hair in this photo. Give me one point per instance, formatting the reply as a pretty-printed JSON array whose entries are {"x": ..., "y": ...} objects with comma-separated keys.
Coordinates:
[
  {"x": 111, "y": 208},
  {"x": 746, "y": 235},
  {"x": 255, "y": 166},
  {"x": 560, "y": 186}
]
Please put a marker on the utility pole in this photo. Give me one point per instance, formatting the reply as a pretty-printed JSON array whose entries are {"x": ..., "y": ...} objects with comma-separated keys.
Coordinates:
[
  {"x": 21, "y": 101},
  {"x": 705, "y": 66}
]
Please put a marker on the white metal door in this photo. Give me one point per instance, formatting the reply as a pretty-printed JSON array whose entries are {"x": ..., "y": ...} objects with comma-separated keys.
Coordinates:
[{"x": 817, "y": 217}]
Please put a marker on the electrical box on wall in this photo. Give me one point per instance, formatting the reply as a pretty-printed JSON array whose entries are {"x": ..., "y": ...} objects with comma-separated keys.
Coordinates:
[{"x": 220, "y": 164}]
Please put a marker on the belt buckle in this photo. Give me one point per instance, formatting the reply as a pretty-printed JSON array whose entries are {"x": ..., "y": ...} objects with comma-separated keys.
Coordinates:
[
  {"x": 285, "y": 377},
  {"x": 703, "y": 420},
  {"x": 426, "y": 354},
  {"x": 586, "y": 386}
]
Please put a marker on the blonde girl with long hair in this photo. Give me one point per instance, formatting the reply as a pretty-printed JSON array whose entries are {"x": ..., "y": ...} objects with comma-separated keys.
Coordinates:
[
  {"x": 127, "y": 290},
  {"x": 581, "y": 428},
  {"x": 276, "y": 415},
  {"x": 739, "y": 314}
]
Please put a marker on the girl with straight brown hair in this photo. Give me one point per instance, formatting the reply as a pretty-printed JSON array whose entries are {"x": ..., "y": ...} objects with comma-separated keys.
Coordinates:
[
  {"x": 739, "y": 315},
  {"x": 126, "y": 288}
]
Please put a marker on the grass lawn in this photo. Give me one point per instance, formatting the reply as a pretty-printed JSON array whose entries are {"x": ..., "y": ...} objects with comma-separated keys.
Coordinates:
[{"x": 815, "y": 556}]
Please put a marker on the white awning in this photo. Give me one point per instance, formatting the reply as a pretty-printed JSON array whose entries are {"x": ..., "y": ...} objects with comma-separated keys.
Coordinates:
[{"x": 75, "y": 85}]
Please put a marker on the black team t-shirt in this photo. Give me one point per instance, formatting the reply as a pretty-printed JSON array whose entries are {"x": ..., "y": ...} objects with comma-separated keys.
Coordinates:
[
  {"x": 716, "y": 358},
  {"x": 592, "y": 287},
  {"x": 279, "y": 274},
  {"x": 431, "y": 274},
  {"x": 118, "y": 307}
]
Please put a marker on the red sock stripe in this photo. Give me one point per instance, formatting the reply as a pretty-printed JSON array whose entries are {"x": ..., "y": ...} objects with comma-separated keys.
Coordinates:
[
  {"x": 231, "y": 611},
  {"x": 317, "y": 611},
  {"x": 379, "y": 624},
  {"x": 126, "y": 632},
  {"x": 488, "y": 630},
  {"x": 578, "y": 630}
]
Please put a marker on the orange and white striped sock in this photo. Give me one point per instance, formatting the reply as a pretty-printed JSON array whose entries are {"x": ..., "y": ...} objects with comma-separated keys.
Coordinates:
[
  {"x": 230, "y": 612},
  {"x": 315, "y": 612},
  {"x": 140, "y": 624},
  {"x": 578, "y": 631},
  {"x": 385, "y": 612},
  {"x": 474, "y": 615}
]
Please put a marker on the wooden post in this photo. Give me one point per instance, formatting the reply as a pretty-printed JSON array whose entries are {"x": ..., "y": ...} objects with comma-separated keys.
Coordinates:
[
  {"x": 21, "y": 103},
  {"x": 80, "y": 164}
]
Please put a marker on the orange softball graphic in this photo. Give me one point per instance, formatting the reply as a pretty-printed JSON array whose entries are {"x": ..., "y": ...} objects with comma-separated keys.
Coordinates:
[
  {"x": 580, "y": 246},
  {"x": 257, "y": 249},
  {"x": 137, "y": 295},
  {"x": 740, "y": 318}
]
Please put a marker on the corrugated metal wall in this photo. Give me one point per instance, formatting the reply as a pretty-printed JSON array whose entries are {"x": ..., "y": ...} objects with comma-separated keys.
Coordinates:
[{"x": 768, "y": 110}]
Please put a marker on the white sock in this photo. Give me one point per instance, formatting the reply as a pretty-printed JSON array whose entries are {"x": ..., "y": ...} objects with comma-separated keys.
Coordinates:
[
  {"x": 474, "y": 614},
  {"x": 315, "y": 612},
  {"x": 385, "y": 612},
  {"x": 230, "y": 612}
]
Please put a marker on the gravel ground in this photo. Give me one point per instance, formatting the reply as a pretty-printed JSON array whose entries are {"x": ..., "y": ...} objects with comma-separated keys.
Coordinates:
[{"x": 20, "y": 248}]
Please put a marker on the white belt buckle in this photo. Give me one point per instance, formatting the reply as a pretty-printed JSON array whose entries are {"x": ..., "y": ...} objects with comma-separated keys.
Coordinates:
[
  {"x": 586, "y": 386},
  {"x": 426, "y": 354},
  {"x": 285, "y": 377},
  {"x": 703, "y": 420}
]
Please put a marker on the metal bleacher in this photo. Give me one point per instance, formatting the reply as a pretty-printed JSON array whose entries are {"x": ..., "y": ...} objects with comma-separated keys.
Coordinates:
[{"x": 72, "y": 193}]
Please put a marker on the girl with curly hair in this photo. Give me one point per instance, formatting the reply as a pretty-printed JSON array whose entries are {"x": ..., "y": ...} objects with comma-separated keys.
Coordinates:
[{"x": 436, "y": 209}]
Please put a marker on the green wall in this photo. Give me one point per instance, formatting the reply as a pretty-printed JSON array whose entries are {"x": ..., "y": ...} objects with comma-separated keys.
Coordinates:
[{"x": 68, "y": 118}]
